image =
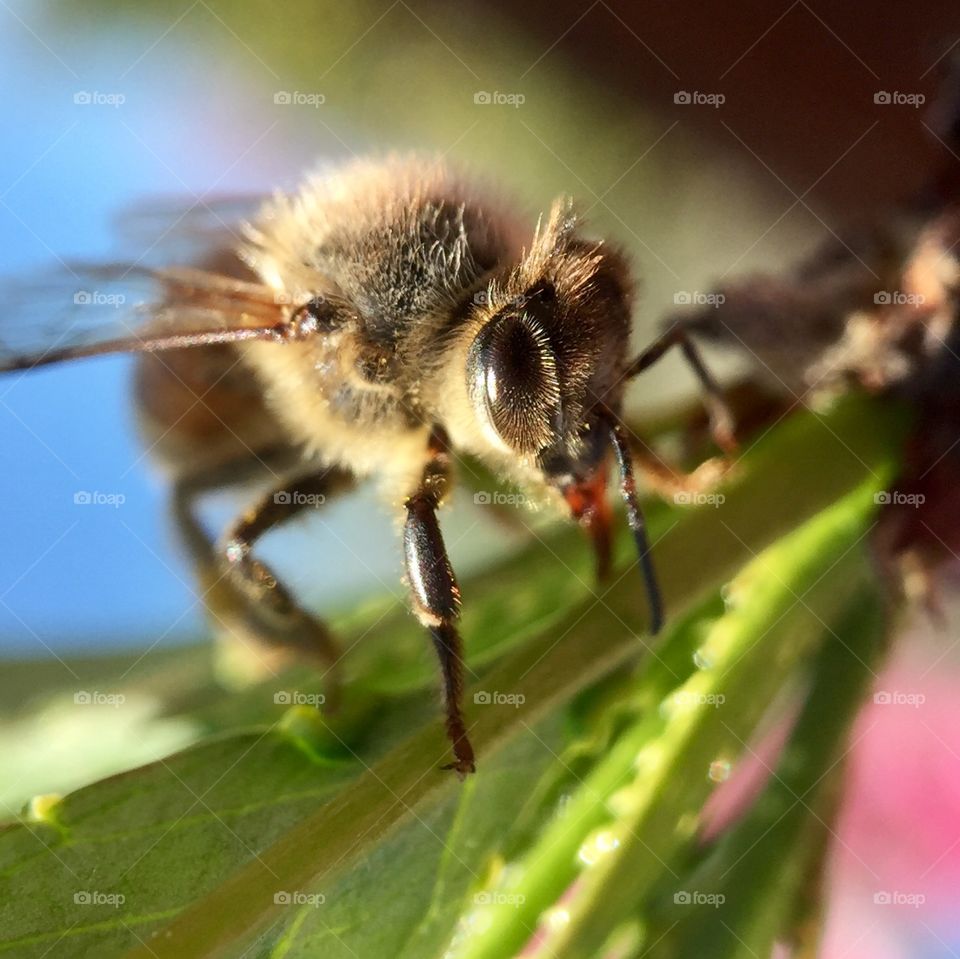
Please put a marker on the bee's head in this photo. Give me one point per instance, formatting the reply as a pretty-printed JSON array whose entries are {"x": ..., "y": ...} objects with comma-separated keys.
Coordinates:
[{"x": 551, "y": 349}]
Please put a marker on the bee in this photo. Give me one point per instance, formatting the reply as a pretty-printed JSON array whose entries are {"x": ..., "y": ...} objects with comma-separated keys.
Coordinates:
[{"x": 385, "y": 319}]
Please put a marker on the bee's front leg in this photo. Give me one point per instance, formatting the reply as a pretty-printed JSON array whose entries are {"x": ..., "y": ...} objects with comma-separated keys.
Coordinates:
[{"x": 436, "y": 595}]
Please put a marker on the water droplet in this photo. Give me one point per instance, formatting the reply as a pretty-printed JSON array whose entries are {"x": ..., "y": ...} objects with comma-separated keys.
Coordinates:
[
  {"x": 728, "y": 593},
  {"x": 719, "y": 771},
  {"x": 41, "y": 808},
  {"x": 597, "y": 846},
  {"x": 702, "y": 659},
  {"x": 556, "y": 918}
]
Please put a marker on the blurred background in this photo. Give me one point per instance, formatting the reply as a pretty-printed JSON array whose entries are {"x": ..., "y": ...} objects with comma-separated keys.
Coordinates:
[{"x": 708, "y": 140}]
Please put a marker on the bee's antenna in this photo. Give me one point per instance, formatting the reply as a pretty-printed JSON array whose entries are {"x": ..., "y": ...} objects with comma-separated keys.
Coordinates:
[{"x": 638, "y": 526}]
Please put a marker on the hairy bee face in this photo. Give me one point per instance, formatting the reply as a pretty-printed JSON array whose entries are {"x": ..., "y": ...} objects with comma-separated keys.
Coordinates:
[{"x": 541, "y": 367}]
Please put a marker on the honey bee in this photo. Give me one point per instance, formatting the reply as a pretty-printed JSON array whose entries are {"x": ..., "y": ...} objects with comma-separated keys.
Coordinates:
[{"x": 377, "y": 323}]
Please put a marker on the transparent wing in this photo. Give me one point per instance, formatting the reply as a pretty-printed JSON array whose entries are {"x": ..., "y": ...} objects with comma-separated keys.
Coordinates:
[
  {"x": 88, "y": 310},
  {"x": 172, "y": 231}
]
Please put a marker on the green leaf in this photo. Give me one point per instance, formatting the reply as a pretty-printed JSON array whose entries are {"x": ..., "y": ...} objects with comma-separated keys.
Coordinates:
[
  {"x": 751, "y": 883},
  {"x": 201, "y": 844}
]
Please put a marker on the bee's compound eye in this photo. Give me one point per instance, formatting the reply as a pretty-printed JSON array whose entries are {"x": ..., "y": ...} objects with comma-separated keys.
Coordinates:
[{"x": 512, "y": 380}]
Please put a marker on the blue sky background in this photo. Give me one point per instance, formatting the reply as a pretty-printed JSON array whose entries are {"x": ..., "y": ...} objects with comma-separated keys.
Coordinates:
[{"x": 74, "y": 576}]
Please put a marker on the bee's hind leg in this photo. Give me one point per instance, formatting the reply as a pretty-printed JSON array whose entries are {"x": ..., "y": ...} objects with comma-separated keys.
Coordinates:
[
  {"x": 242, "y": 595},
  {"x": 435, "y": 593}
]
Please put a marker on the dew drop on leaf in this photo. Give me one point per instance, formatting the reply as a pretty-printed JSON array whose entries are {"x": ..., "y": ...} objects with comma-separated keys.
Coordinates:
[
  {"x": 597, "y": 846},
  {"x": 719, "y": 771}
]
